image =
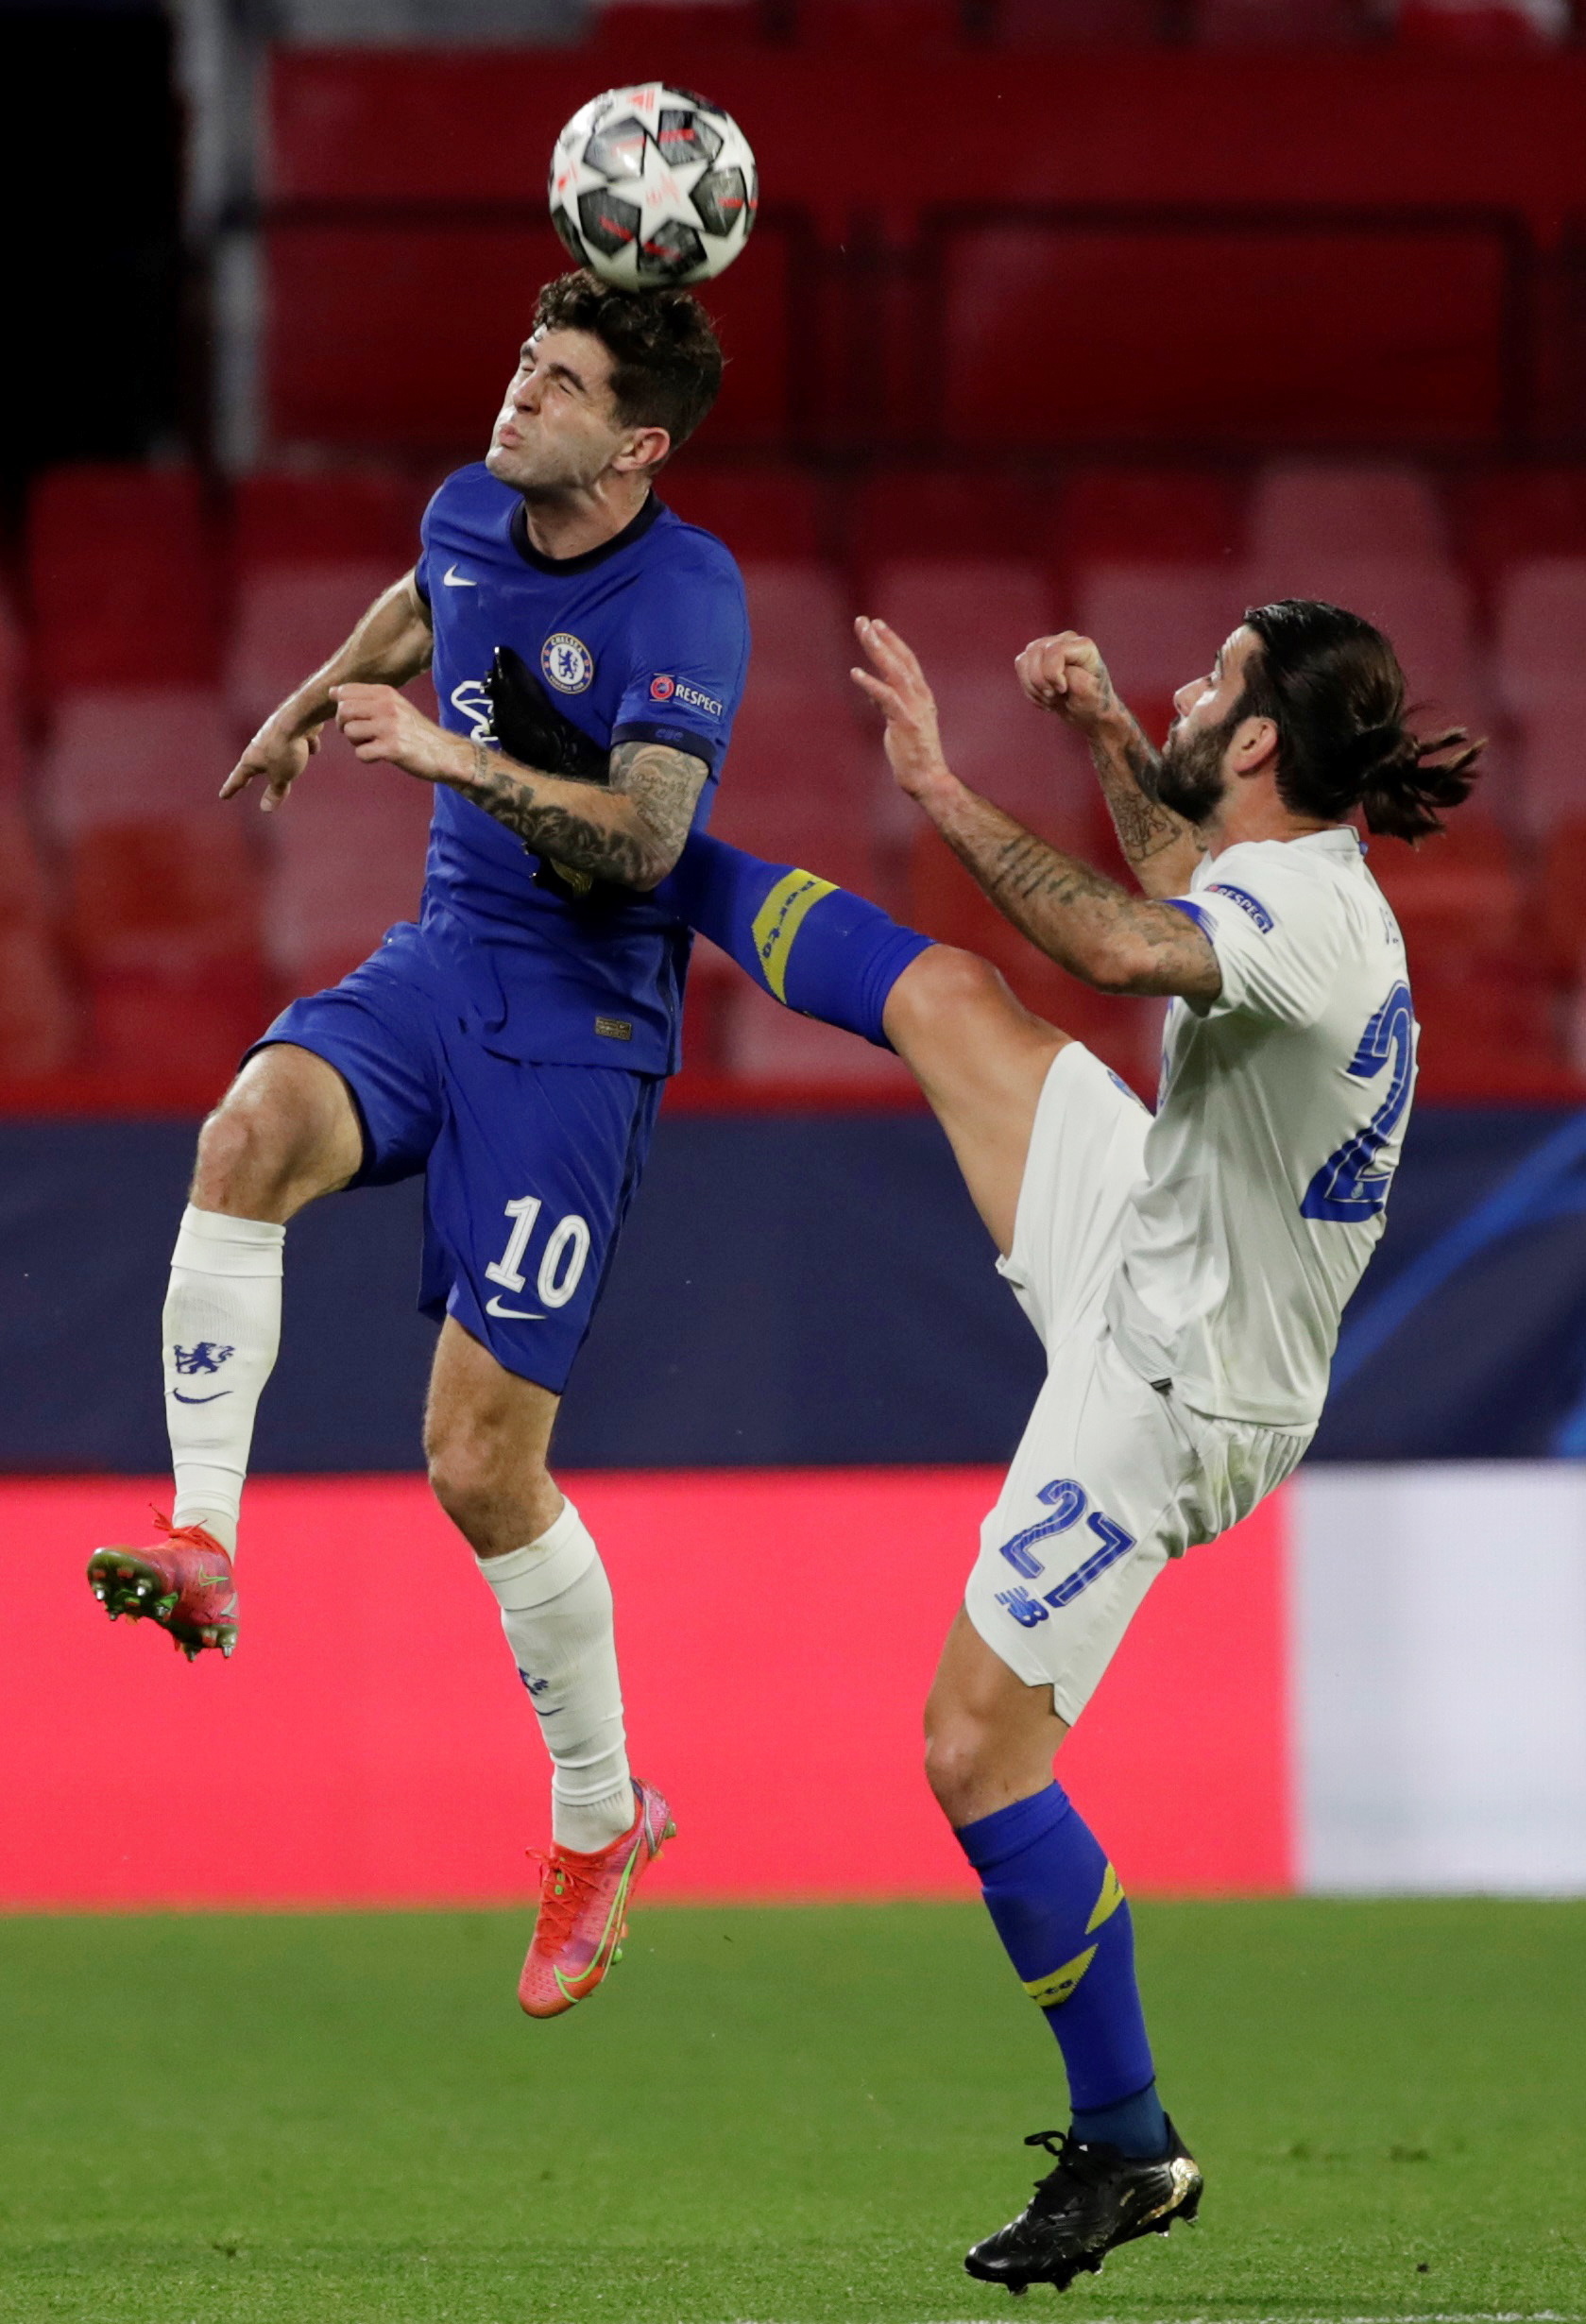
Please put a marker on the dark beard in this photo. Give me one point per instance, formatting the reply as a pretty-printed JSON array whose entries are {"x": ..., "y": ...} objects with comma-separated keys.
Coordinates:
[{"x": 1188, "y": 776}]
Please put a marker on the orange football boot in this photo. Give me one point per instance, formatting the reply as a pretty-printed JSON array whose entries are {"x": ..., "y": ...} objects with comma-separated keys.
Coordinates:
[
  {"x": 584, "y": 1909},
  {"x": 185, "y": 1584}
]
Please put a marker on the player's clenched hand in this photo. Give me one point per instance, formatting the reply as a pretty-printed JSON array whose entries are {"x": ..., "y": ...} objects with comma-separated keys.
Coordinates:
[
  {"x": 383, "y": 728},
  {"x": 276, "y": 757},
  {"x": 896, "y": 683},
  {"x": 1066, "y": 673}
]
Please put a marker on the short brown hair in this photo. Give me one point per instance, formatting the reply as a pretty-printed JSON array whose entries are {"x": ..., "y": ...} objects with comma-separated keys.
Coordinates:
[
  {"x": 1331, "y": 684},
  {"x": 666, "y": 359}
]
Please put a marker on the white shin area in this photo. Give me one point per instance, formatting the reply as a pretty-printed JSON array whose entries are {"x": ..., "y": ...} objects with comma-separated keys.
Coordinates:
[
  {"x": 556, "y": 1612},
  {"x": 222, "y": 1329}
]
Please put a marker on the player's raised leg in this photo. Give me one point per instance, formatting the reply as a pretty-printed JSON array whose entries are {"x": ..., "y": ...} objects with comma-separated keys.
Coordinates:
[
  {"x": 487, "y": 1435},
  {"x": 979, "y": 1054},
  {"x": 285, "y": 1131}
]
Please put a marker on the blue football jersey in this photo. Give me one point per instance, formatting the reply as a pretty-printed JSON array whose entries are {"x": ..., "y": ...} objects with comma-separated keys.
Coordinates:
[{"x": 643, "y": 639}]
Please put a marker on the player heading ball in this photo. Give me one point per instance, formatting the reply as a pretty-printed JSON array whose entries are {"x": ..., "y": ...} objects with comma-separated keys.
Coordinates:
[{"x": 588, "y": 651}]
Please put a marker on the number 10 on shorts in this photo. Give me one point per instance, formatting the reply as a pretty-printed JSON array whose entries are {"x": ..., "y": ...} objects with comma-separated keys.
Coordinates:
[{"x": 567, "y": 1247}]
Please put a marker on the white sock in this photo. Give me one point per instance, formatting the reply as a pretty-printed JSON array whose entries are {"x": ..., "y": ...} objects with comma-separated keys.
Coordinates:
[
  {"x": 555, "y": 1605},
  {"x": 222, "y": 1328}
]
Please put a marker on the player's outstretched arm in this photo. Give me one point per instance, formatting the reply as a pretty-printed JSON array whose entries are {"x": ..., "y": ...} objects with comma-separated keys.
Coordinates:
[
  {"x": 391, "y": 644},
  {"x": 1116, "y": 942},
  {"x": 1067, "y": 674},
  {"x": 632, "y": 833}
]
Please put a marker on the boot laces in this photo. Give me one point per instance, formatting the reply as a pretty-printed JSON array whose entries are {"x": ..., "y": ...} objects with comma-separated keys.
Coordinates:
[
  {"x": 564, "y": 1890},
  {"x": 1075, "y": 2160}
]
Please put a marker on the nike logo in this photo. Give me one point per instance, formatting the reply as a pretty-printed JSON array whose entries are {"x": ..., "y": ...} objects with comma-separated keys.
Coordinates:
[
  {"x": 455, "y": 580},
  {"x": 574, "y": 1989},
  {"x": 215, "y": 1399},
  {"x": 520, "y": 1315}
]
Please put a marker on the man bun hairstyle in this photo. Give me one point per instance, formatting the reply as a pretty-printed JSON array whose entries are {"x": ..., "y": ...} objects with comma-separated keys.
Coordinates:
[
  {"x": 666, "y": 359},
  {"x": 1332, "y": 686}
]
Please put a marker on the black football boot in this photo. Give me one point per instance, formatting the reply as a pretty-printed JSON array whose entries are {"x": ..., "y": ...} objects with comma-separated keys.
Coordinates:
[{"x": 1094, "y": 2199}]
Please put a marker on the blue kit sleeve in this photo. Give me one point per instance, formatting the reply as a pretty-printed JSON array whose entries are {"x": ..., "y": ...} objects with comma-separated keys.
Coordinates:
[{"x": 688, "y": 647}]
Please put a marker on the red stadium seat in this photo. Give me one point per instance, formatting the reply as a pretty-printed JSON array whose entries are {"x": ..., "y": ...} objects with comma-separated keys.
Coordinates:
[
  {"x": 902, "y": 28},
  {"x": 1149, "y": 516},
  {"x": 639, "y": 42},
  {"x": 760, "y": 1041},
  {"x": 1540, "y": 622},
  {"x": 1540, "y": 625},
  {"x": 1489, "y": 1026},
  {"x": 1349, "y": 317},
  {"x": 803, "y": 784},
  {"x": 1305, "y": 509},
  {"x": 1551, "y": 773},
  {"x": 1456, "y": 897},
  {"x": 1284, "y": 24},
  {"x": 1502, "y": 27},
  {"x": 131, "y": 755},
  {"x": 288, "y": 620},
  {"x": 326, "y": 517},
  {"x": 968, "y": 619},
  {"x": 122, "y": 579},
  {"x": 163, "y": 882},
  {"x": 914, "y": 511},
  {"x": 1158, "y": 627},
  {"x": 1563, "y": 897},
  {"x": 1509, "y": 516},
  {"x": 378, "y": 385},
  {"x": 764, "y": 510},
  {"x": 39, "y": 1025},
  {"x": 345, "y": 863},
  {"x": 1069, "y": 24},
  {"x": 13, "y": 747}
]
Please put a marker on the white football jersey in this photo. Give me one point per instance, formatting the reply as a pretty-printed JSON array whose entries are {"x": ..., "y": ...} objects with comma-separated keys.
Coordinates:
[{"x": 1278, "y": 1129}]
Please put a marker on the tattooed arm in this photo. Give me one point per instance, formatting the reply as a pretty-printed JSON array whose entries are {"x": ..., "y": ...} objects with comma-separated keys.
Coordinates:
[
  {"x": 1117, "y": 942},
  {"x": 632, "y": 833},
  {"x": 1067, "y": 674}
]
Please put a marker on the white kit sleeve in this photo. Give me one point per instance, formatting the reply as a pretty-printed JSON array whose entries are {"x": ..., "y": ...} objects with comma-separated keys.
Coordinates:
[{"x": 1278, "y": 933}]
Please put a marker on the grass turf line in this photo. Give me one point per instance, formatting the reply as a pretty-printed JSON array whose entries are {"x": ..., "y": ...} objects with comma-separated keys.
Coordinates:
[{"x": 794, "y": 2115}]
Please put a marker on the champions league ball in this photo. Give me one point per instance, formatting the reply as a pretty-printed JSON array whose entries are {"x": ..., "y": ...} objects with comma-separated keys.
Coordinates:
[{"x": 652, "y": 186}]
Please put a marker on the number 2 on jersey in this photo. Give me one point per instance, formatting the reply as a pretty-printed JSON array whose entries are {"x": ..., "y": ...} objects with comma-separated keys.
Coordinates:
[{"x": 1352, "y": 1184}]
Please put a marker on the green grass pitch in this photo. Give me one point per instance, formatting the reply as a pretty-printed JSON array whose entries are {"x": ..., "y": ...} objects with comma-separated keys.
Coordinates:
[{"x": 784, "y": 2115}]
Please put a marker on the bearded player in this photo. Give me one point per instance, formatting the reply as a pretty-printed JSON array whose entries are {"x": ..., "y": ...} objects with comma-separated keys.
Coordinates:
[
  {"x": 1187, "y": 1272},
  {"x": 589, "y": 652}
]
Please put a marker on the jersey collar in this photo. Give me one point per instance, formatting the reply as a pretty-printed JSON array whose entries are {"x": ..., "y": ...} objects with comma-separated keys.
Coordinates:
[{"x": 634, "y": 530}]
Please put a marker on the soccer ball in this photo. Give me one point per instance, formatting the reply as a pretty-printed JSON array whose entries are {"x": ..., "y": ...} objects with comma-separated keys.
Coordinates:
[{"x": 652, "y": 186}]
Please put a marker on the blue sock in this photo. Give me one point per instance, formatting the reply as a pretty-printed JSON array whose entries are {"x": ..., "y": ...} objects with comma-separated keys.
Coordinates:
[
  {"x": 816, "y": 947},
  {"x": 1060, "y": 1913}
]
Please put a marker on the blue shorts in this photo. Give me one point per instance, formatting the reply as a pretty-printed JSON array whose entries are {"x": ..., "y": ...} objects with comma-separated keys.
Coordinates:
[{"x": 528, "y": 1169}]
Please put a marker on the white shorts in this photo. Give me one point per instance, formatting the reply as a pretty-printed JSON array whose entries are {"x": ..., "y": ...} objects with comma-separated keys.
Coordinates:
[{"x": 1112, "y": 1476}]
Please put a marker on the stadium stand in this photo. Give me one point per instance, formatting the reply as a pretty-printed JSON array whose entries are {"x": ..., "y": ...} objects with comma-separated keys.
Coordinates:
[
  {"x": 146, "y": 927},
  {"x": 162, "y": 890},
  {"x": 967, "y": 618},
  {"x": 1308, "y": 508},
  {"x": 972, "y": 411},
  {"x": 121, "y": 579},
  {"x": 1285, "y": 24},
  {"x": 1066, "y": 23},
  {"x": 806, "y": 784}
]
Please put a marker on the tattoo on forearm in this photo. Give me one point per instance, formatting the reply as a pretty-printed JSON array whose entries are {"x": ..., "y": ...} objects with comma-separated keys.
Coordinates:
[
  {"x": 633, "y": 843},
  {"x": 1073, "y": 913},
  {"x": 1144, "y": 826}
]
